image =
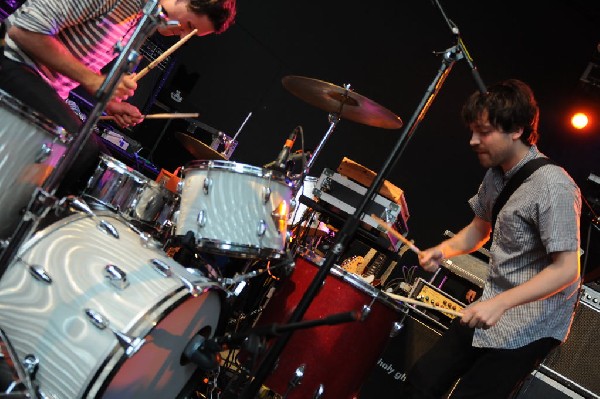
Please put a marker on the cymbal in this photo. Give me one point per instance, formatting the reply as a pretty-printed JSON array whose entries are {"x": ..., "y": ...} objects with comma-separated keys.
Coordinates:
[
  {"x": 331, "y": 98},
  {"x": 197, "y": 148}
]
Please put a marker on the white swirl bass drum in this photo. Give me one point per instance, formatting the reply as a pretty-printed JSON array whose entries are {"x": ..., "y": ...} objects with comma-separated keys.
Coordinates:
[{"x": 106, "y": 314}]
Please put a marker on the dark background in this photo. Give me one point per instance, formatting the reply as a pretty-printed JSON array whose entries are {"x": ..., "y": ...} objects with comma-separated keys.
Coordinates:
[{"x": 385, "y": 50}]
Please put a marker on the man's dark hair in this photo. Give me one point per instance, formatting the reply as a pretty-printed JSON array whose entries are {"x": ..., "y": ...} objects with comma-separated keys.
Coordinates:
[
  {"x": 220, "y": 12},
  {"x": 510, "y": 105}
]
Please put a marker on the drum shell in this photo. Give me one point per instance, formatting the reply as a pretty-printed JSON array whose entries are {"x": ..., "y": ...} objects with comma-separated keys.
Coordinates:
[
  {"x": 233, "y": 208},
  {"x": 24, "y": 134},
  {"x": 351, "y": 349},
  {"x": 78, "y": 359},
  {"x": 122, "y": 188}
]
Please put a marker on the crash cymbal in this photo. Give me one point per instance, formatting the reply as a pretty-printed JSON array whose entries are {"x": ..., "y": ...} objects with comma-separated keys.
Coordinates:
[
  {"x": 332, "y": 98},
  {"x": 197, "y": 148}
]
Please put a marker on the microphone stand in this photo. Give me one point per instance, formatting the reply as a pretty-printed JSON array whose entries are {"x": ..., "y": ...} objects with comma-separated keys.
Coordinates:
[
  {"x": 343, "y": 237},
  {"x": 463, "y": 49},
  {"x": 43, "y": 196},
  {"x": 272, "y": 330}
]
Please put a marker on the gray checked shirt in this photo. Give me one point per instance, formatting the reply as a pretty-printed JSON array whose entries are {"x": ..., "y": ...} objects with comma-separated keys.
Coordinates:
[{"x": 541, "y": 217}]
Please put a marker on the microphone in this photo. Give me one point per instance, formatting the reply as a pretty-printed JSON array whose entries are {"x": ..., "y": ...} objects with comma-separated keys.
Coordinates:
[
  {"x": 282, "y": 158},
  {"x": 299, "y": 155}
]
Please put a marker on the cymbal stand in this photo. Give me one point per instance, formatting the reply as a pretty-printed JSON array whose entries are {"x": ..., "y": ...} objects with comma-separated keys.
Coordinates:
[
  {"x": 343, "y": 237},
  {"x": 42, "y": 198},
  {"x": 334, "y": 118}
]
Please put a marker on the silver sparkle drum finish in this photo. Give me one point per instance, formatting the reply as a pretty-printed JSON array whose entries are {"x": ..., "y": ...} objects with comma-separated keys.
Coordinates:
[
  {"x": 121, "y": 188},
  {"x": 31, "y": 147},
  {"x": 235, "y": 209},
  {"x": 105, "y": 312}
]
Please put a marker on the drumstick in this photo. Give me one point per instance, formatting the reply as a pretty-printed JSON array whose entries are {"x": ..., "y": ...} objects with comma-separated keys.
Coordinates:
[
  {"x": 399, "y": 236},
  {"x": 158, "y": 116},
  {"x": 164, "y": 55},
  {"x": 423, "y": 304}
]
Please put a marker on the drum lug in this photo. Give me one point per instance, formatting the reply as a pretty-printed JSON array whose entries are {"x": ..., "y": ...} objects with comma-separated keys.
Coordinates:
[
  {"x": 129, "y": 344},
  {"x": 31, "y": 364},
  {"x": 319, "y": 392},
  {"x": 296, "y": 378},
  {"x": 162, "y": 268},
  {"x": 396, "y": 328},
  {"x": 108, "y": 228},
  {"x": 180, "y": 187},
  {"x": 201, "y": 219},
  {"x": 366, "y": 310},
  {"x": 266, "y": 194},
  {"x": 207, "y": 185},
  {"x": 262, "y": 228},
  {"x": 40, "y": 274},
  {"x": 165, "y": 270},
  {"x": 44, "y": 153},
  {"x": 147, "y": 241},
  {"x": 116, "y": 277}
]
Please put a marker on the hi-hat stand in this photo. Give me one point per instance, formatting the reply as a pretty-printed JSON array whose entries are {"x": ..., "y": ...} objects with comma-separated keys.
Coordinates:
[{"x": 344, "y": 236}]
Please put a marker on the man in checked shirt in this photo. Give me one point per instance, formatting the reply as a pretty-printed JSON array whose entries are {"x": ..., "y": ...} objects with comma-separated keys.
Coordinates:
[{"x": 528, "y": 301}]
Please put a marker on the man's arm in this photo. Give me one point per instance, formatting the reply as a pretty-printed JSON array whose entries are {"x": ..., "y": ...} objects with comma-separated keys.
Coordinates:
[
  {"x": 49, "y": 52},
  {"x": 563, "y": 271},
  {"x": 469, "y": 239}
]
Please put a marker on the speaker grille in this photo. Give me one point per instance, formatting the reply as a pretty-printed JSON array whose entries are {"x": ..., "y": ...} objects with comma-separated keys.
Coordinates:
[
  {"x": 414, "y": 339},
  {"x": 575, "y": 363}
]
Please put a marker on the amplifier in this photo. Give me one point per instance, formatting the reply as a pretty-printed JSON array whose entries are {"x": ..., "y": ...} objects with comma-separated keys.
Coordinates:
[
  {"x": 574, "y": 364},
  {"x": 414, "y": 337},
  {"x": 430, "y": 294},
  {"x": 345, "y": 194}
]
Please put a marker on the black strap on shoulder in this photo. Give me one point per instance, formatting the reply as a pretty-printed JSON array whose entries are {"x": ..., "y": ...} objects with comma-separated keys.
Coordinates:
[{"x": 515, "y": 182}]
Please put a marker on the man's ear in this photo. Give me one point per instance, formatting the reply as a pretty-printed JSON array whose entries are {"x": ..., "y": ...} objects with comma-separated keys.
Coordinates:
[{"x": 516, "y": 135}]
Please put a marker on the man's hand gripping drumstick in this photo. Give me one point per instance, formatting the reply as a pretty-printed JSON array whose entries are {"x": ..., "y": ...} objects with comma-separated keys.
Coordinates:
[{"x": 430, "y": 257}]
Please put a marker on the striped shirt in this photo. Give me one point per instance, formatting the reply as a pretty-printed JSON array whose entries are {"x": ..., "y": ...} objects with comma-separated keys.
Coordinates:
[
  {"x": 541, "y": 217},
  {"x": 89, "y": 29}
]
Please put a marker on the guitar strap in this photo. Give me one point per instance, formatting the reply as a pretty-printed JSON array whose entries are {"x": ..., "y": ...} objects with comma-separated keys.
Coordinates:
[{"x": 514, "y": 183}]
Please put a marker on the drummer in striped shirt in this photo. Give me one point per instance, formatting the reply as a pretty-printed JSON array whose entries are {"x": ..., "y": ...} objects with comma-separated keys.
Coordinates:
[{"x": 53, "y": 46}]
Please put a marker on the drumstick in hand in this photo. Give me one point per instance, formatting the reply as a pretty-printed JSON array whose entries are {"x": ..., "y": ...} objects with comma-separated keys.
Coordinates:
[
  {"x": 164, "y": 55},
  {"x": 399, "y": 236},
  {"x": 158, "y": 116}
]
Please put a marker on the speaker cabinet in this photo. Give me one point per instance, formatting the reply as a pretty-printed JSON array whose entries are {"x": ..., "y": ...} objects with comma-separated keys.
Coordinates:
[
  {"x": 538, "y": 385},
  {"x": 416, "y": 337},
  {"x": 575, "y": 363}
]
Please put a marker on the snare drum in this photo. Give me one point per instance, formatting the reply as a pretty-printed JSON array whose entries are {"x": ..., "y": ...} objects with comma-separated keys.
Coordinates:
[
  {"x": 235, "y": 209},
  {"x": 336, "y": 359},
  {"x": 105, "y": 313},
  {"x": 121, "y": 188},
  {"x": 32, "y": 147}
]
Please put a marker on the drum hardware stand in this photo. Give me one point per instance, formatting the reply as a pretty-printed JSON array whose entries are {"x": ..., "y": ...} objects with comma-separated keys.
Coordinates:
[
  {"x": 253, "y": 339},
  {"x": 334, "y": 119},
  {"x": 22, "y": 372},
  {"x": 230, "y": 142},
  {"x": 242, "y": 278},
  {"x": 343, "y": 237},
  {"x": 152, "y": 16}
]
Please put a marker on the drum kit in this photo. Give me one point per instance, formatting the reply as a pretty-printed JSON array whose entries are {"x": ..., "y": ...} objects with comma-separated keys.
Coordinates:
[{"x": 95, "y": 304}]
